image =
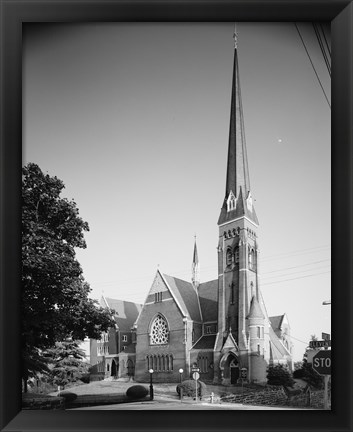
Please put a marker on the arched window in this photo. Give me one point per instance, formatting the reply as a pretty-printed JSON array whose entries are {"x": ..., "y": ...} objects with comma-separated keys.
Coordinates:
[
  {"x": 159, "y": 331},
  {"x": 252, "y": 265},
  {"x": 236, "y": 255},
  {"x": 232, "y": 294},
  {"x": 171, "y": 362},
  {"x": 229, "y": 257}
]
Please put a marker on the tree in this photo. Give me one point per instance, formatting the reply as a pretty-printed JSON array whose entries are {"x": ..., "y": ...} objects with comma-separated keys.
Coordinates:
[
  {"x": 307, "y": 373},
  {"x": 55, "y": 303},
  {"x": 279, "y": 375},
  {"x": 66, "y": 363}
]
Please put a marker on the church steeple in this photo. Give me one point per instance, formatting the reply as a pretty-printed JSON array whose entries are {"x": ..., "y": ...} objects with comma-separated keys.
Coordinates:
[
  {"x": 195, "y": 268},
  {"x": 237, "y": 198}
]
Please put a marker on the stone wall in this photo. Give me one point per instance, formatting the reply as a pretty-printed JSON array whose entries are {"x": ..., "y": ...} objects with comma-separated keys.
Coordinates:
[{"x": 270, "y": 395}]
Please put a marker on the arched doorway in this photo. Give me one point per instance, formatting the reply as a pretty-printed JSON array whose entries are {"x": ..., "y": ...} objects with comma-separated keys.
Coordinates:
[
  {"x": 114, "y": 370},
  {"x": 234, "y": 371},
  {"x": 130, "y": 368},
  {"x": 229, "y": 366}
]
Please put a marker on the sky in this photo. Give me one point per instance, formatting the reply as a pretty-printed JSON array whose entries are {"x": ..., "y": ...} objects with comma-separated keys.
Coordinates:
[{"x": 134, "y": 118}]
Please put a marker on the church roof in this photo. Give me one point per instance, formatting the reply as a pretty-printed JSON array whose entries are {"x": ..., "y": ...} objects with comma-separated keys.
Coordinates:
[
  {"x": 278, "y": 349},
  {"x": 255, "y": 309},
  {"x": 185, "y": 295},
  {"x": 208, "y": 292},
  {"x": 205, "y": 342},
  {"x": 276, "y": 321},
  {"x": 238, "y": 179},
  {"x": 126, "y": 312}
]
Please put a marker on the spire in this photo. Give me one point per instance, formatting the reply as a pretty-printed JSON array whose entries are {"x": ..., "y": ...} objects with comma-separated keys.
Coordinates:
[
  {"x": 237, "y": 180},
  {"x": 237, "y": 169},
  {"x": 195, "y": 268}
]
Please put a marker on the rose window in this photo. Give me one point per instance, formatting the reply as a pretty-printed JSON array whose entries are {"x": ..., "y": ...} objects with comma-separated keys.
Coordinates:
[{"x": 159, "y": 331}]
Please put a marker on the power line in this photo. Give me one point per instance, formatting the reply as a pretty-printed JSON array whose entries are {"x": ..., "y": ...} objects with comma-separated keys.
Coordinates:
[
  {"x": 312, "y": 64},
  {"x": 321, "y": 44},
  {"x": 299, "y": 277},
  {"x": 327, "y": 45},
  {"x": 268, "y": 278},
  {"x": 297, "y": 252},
  {"x": 290, "y": 268}
]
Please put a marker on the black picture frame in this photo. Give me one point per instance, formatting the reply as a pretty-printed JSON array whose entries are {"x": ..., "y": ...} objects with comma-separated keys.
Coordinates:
[{"x": 13, "y": 14}]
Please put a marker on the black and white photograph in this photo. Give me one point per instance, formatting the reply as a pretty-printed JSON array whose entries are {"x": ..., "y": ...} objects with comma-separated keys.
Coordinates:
[{"x": 176, "y": 216}]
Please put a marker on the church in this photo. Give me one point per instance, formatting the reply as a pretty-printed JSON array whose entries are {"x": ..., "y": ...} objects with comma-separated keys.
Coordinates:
[{"x": 220, "y": 326}]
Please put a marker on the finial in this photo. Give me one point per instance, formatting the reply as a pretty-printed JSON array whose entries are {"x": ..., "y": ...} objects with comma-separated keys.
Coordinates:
[{"x": 235, "y": 35}]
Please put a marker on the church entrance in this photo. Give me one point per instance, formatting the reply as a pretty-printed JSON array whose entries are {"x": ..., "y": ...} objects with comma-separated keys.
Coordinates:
[{"x": 234, "y": 371}]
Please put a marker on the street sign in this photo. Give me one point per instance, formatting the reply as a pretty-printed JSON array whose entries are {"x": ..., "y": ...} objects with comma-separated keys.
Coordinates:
[
  {"x": 320, "y": 344},
  {"x": 196, "y": 375},
  {"x": 195, "y": 369},
  {"x": 243, "y": 373},
  {"x": 322, "y": 362},
  {"x": 325, "y": 336}
]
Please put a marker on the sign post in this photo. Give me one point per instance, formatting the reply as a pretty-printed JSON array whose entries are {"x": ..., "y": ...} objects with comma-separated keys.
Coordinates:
[
  {"x": 196, "y": 376},
  {"x": 322, "y": 365},
  {"x": 243, "y": 376}
]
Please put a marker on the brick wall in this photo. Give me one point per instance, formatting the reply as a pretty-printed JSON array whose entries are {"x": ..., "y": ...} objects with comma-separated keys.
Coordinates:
[{"x": 175, "y": 346}]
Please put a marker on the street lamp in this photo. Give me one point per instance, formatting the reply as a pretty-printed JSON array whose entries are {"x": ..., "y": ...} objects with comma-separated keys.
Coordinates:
[
  {"x": 151, "y": 384},
  {"x": 181, "y": 388},
  {"x": 326, "y": 302}
]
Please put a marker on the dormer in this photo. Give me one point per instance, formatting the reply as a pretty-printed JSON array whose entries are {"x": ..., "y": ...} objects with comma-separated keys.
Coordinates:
[
  {"x": 231, "y": 201},
  {"x": 249, "y": 201}
]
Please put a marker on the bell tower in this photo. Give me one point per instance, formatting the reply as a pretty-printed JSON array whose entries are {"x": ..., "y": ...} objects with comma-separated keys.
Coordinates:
[{"x": 238, "y": 244}]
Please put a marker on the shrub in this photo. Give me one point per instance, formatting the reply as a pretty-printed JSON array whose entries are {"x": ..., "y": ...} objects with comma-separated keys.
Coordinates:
[
  {"x": 279, "y": 375},
  {"x": 189, "y": 388},
  {"x": 68, "y": 396},
  {"x": 137, "y": 392}
]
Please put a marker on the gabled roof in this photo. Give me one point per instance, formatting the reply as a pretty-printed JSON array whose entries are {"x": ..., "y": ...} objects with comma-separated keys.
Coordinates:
[
  {"x": 278, "y": 349},
  {"x": 240, "y": 210},
  {"x": 276, "y": 321},
  {"x": 185, "y": 295},
  {"x": 208, "y": 296},
  {"x": 205, "y": 342},
  {"x": 126, "y": 312}
]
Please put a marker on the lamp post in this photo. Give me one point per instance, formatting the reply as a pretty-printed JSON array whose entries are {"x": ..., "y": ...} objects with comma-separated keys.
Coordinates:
[
  {"x": 181, "y": 388},
  {"x": 151, "y": 384}
]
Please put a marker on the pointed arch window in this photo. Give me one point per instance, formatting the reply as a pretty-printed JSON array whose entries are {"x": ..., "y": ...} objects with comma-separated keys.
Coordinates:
[
  {"x": 232, "y": 294},
  {"x": 159, "y": 334},
  {"x": 231, "y": 201},
  {"x": 229, "y": 257},
  {"x": 236, "y": 255},
  {"x": 252, "y": 265}
]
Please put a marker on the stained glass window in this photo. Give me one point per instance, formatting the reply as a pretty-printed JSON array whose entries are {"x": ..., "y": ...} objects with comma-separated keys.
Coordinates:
[{"x": 159, "y": 331}]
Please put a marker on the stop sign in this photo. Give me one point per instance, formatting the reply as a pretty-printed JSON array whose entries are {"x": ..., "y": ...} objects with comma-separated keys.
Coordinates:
[{"x": 322, "y": 362}]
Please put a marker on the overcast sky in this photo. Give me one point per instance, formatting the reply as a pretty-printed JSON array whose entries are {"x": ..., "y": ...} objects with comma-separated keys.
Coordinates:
[{"x": 134, "y": 118}]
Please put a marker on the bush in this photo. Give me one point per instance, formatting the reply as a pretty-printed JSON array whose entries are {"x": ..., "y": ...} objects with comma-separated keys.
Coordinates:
[
  {"x": 137, "y": 392},
  {"x": 279, "y": 375},
  {"x": 189, "y": 388},
  {"x": 68, "y": 396}
]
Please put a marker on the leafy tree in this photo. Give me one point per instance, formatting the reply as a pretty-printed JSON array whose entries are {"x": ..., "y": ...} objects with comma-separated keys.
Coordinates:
[
  {"x": 297, "y": 365},
  {"x": 307, "y": 373},
  {"x": 66, "y": 363},
  {"x": 55, "y": 303},
  {"x": 279, "y": 375}
]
